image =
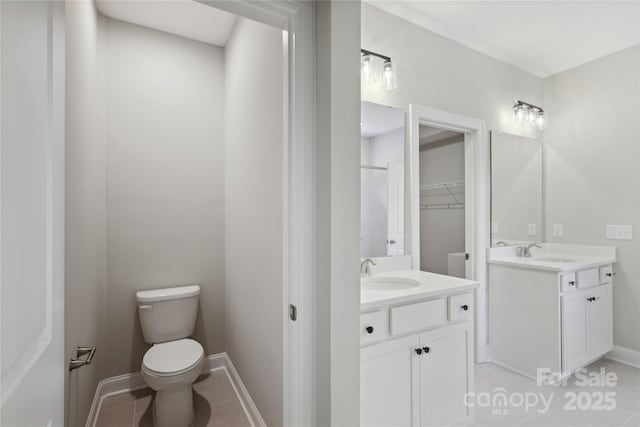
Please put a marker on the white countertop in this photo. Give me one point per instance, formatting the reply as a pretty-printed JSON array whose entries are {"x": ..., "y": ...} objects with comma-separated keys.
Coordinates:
[
  {"x": 567, "y": 257},
  {"x": 431, "y": 285}
]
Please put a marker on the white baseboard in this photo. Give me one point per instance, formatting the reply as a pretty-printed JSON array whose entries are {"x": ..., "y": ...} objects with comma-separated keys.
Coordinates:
[
  {"x": 134, "y": 381},
  {"x": 624, "y": 355}
]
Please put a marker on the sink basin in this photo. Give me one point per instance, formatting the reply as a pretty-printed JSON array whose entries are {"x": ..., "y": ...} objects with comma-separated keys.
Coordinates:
[
  {"x": 388, "y": 283},
  {"x": 553, "y": 258}
]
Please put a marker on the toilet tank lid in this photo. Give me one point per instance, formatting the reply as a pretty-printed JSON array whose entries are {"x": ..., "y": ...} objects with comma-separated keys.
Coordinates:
[{"x": 177, "y": 292}]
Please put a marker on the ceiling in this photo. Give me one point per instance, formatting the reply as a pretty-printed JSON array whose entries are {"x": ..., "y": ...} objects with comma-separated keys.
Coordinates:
[
  {"x": 185, "y": 18},
  {"x": 430, "y": 135},
  {"x": 540, "y": 37},
  {"x": 377, "y": 119}
]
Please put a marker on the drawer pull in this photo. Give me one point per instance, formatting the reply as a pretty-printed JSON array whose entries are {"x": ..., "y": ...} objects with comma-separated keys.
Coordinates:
[
  {"x": 572, "y": 283},
  {"x": 369, "y": 329},
  {"x": 426, "y": 349},
  {"x": 418, "y": 350},
  {"x": 464, "y": 307},
  {"x": 609, "y": 274}
]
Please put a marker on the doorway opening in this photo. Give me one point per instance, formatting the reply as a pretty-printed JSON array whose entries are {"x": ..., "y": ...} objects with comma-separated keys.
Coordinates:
[{"x": 442, "y": 202}]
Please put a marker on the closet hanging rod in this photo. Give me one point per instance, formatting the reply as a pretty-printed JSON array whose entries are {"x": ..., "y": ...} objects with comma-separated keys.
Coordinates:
[{"x": 378, "y": 168}]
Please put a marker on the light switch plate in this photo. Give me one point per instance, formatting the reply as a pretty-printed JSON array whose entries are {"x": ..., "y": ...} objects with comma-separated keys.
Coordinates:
[
  {"x": 557, "y": 230},
  {"x": 532, "y": 230},
  {"x": 619, "y": 232}
]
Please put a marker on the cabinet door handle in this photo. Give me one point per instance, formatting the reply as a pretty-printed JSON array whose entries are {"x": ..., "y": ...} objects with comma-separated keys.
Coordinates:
[
  {"x": 572, "y": 283},
  {"x": 464, "y": 307},
  {"x": 426, "y": 349},
  {"x": 609, "y": 274},
  {"x": 419, "y": 350},
  {"x": 369, "y": 329}
]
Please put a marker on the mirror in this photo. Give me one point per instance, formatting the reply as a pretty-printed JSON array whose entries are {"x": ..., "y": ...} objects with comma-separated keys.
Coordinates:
[
  {"x": 382, "y": 181},
  {"x": 516, "y": 189}
]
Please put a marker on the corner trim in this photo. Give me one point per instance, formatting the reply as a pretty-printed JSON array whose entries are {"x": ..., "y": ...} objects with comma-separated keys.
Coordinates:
[
  {"x": 134, "y": 381},
  {"x": 624, "y": 355}
]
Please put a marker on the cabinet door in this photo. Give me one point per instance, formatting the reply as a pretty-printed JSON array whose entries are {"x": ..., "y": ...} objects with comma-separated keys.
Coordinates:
[
  {"x": 388, "y": 391},
  {"x": 574, "y": 331},
  {"x": 446, "y": 374},
  {"x": 599, "y": 321}
]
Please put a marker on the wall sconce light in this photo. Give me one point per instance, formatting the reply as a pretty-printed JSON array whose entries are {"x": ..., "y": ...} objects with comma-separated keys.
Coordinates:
[
  {"x": 533, "y": 114},
  {"x": 369, "y": 71}
]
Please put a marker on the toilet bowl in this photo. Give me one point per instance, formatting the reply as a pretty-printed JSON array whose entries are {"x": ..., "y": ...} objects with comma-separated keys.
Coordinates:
[
  {"x": 170, "y": 369},
  {"x": 173, "y": 363}
]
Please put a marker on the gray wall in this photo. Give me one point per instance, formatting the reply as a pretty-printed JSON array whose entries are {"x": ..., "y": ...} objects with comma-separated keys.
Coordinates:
[
  {"x": 85, "y": 256},
  {"x": 253, "y": 225},
  {"x": 591, "y": 169},
  {"x": 165, "y": 182},
  {"x": 441, "y": 230},
  {"x": 437, "y": 72}
]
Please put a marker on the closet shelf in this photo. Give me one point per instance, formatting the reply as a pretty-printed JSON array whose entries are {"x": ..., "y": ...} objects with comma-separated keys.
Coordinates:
[
  {"x": 443, "y": 195},
  {"x": 443, "y": 206},
  {"x": 443, "y": 186}
]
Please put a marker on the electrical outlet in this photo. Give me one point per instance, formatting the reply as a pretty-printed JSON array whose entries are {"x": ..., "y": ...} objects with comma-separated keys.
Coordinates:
[
  {"x": 557, "y": 230},
  {"x": 532, "y": 230},
  {"x": 619, "y": 232}
]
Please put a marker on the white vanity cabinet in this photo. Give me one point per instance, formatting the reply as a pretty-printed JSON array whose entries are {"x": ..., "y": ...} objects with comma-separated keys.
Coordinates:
[
  {"x": 418, "y": 366},
  {"x": 586, "y": 326},
  {"x": 559, "y": 321}
]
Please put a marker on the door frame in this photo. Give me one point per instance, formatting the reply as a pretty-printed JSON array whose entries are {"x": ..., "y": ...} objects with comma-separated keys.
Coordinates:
[
  {"x": 297, "y": 20},
  {"x": 476, "y": 202}
]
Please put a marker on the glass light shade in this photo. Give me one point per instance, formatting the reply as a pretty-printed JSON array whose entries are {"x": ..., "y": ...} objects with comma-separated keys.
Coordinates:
[
  {"x": 532, "y": 115},
  {"x": 540, "y": 120},
  {"x": 389, "y": 75},
  {"x": 519, "y": 111},
  {"x": 368, "y": 73}
]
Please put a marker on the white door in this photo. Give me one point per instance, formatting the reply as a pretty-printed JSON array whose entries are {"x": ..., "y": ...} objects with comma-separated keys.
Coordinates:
[
  {"x": 574, "y": 330},
  {"x": 444, "y": 375},
  {"x": 395, "y": 206},
  {"x": 32, "y": 213},
  {"x": 388, "y": 392},
  {"x": 599, "y": 321}
]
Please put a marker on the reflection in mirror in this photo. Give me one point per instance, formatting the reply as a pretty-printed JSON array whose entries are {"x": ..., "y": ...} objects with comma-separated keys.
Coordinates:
[
  {"x": 516, "y": 189},
  {"x": 382, "y": 181}
]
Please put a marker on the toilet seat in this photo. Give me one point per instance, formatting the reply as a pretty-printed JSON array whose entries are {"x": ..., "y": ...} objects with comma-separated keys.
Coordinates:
[{"x": 173, "y": 357}]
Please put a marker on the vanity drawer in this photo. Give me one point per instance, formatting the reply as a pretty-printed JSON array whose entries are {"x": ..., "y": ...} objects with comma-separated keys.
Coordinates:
[
  {"x": 606, "y": 274},
  {"x": 374, "y": 326},
  {"x": 588, "y": 278},
  {"x": 460, "y": 307},
  {"x": 567, "y": 282},
  {"x": 413, "y": 317}
]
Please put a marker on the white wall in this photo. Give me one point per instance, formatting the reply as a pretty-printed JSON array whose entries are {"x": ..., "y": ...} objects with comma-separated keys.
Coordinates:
[
  {"x": 337, "y": 287},
  {"x": 165, "y": 182},
  {"x": 85, "y": 246},
  {"x": 591, "y": 169},
  {"x": 442, "y": 231},
  {"x": 253, "y": 226},
  {"x": 437, "y": 72}
]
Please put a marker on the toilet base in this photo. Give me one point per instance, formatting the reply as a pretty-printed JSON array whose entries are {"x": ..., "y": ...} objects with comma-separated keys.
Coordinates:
[{"x": 174, "y": 408}]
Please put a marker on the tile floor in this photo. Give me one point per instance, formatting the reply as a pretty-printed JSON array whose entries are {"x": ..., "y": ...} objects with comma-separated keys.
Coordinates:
[
  {"x": 217, "y": 404},
  {"x": 215, "y": 401},
  {"x": 490, "y": 377}
]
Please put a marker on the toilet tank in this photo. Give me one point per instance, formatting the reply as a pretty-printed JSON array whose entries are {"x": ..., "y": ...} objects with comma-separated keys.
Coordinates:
[{"x": 168, "y": 314}]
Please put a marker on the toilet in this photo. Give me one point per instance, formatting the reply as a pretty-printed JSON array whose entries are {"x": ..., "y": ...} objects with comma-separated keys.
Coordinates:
[{"x": 172, "y": 364}]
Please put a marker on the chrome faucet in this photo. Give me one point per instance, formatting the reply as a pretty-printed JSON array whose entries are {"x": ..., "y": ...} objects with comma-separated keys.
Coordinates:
[
  {"x": 527, "y": 249},
  {"x": 364, "y": 267}
]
